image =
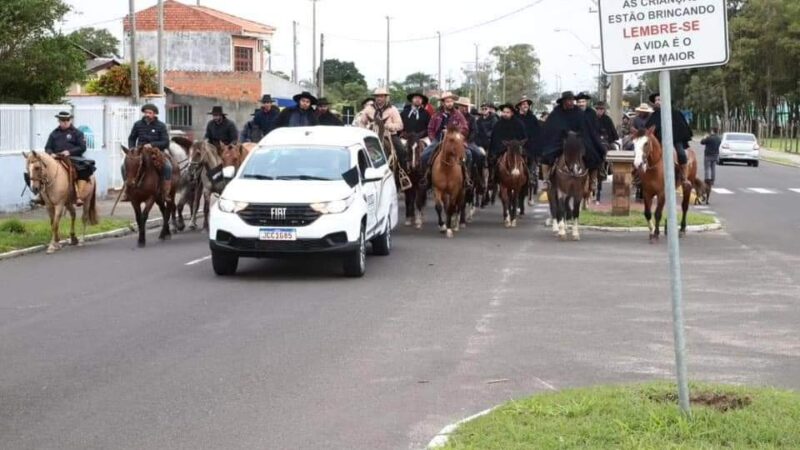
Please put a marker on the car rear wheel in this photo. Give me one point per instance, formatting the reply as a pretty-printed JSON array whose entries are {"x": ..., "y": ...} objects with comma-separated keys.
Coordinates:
[
  {"x": 720, "y": 162},
  {"x": 355, "y": 262},
  {"x": 382, "y": 244},
  {"x": 224, "y": 263},
  {"x": 755, "y": 163}
]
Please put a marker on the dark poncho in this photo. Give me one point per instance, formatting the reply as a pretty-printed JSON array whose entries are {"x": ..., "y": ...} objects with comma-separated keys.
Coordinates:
[
  {"x": 506, "y": 130},
  {"x": 561, "y": 121}
]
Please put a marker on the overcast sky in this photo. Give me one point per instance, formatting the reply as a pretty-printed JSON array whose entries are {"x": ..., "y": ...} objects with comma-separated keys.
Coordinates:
[{"x": 349, "y": 25}]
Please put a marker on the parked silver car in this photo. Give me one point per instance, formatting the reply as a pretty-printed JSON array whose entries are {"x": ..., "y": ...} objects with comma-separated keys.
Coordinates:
[{"x": 739, "y": 147}]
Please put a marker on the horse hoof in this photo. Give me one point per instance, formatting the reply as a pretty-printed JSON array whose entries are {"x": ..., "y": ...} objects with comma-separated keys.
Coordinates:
[
  {"x": 449, "y": 234},
  {"x": 51, "y": 249},
  {"x": 576, "y": 237},
  {"x": 192, "y": 227},
  {"x": 682, "y": 233},
  {"x": 507, "y": 224},
  {"x": 180, "y": 228},
  {"x": 548, "y": 221},
  {"x": 563, "y": 236},
  {"x": 408, "y": 222},
  {"x": 514, "y": 223},
  {"x": 74, "y": 240},
  {"x": 140, "y": 244}
]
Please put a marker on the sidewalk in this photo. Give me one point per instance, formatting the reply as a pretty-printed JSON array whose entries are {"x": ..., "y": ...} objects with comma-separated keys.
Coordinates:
[
  {"x": 780, "y": 157},
  {"x": 124, "y": 211}
]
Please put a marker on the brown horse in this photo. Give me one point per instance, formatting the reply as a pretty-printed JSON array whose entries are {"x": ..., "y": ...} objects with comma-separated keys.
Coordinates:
[
  {"x": 144, "y": 187},
  {"x": 51, "y": 178},
  {"x": 415, "y": 145},
  {"x": 568, "y": 186},
  {"x": 448, "y": 180},
  {"x": 512, "y": 174},
  {"x": 649, "y": 162}
]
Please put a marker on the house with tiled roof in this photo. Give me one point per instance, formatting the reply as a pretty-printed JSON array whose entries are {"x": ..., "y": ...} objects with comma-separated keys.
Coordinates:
[{"x": 211, "y": 58}]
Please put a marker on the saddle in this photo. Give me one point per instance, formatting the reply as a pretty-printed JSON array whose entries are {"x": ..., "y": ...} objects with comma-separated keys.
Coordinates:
[{"x": 72, "y": 174}]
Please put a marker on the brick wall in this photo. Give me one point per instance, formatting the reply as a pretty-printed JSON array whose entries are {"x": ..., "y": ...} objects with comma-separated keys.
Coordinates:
[{"x": 231, "y": 86}]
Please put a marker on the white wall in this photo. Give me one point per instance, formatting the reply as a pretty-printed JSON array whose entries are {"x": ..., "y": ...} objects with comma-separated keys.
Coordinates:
[{"x": 185, "y": 50}]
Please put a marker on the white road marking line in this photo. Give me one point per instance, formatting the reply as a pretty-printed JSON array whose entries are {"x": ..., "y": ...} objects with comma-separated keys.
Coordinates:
[
  {"x": 722, "y": 191},
  {"x": 795, "y": 190},
  {"x": 199, "y": 260},
  {"x": 709, "y": 212},
  {"x": 762, "y": 190},
  {"x": 701, "y": 207}
]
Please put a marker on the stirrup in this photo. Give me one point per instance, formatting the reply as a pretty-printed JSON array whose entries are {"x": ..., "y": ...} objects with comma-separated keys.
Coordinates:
[{"x": 405, "y": 181}]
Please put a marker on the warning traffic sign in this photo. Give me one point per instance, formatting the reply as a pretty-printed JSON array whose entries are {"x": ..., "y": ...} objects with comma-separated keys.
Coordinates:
[{"x": 646, "y": 35}]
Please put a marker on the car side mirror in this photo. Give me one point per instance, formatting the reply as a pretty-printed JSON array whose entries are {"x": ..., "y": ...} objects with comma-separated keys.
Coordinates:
[
  {"x": 372, "y": 175},
  {"x": 351, "y": 177}
]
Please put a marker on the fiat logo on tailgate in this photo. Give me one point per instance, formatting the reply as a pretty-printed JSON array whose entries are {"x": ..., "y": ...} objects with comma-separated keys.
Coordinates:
[{"x": 277, "y": 213}]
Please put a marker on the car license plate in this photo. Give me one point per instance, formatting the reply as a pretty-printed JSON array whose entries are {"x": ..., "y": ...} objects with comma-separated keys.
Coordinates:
[{"x": 277, "y": 234}]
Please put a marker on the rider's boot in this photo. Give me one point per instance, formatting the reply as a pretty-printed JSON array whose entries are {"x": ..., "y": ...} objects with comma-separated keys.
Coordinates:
[
  {"x": 166, "y": 187},
  {"x": 546, "y": 176},
  {"x": 80, "y": 189}
]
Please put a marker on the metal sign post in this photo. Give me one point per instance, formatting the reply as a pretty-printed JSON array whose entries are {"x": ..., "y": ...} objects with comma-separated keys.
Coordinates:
[
  {"x": 638, "y": 36},
  {"x": 672, "y": 239}
]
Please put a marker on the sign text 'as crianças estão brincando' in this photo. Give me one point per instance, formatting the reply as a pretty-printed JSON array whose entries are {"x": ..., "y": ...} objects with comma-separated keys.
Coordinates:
[{"x": 647, "y": 35}]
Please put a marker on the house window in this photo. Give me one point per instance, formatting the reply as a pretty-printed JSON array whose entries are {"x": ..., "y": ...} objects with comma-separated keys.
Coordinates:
[
  {"x": 179, "y": 116},
  {"x": 242, "y": 59}
]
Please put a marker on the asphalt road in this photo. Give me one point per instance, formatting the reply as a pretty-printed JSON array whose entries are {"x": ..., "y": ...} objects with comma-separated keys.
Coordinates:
[{"x": 111, "y": 347}]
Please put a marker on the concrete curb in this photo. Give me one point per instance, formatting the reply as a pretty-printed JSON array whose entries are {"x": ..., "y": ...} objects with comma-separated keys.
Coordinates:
[
  {"x": 441, "y": 438},
  {"x": 778, "y": 162},
  {"x": 119, "y": 232}
]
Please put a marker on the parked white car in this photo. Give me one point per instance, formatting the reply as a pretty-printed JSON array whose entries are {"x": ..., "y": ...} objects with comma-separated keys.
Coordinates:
[
  {"x": 740, "y": 147},
  {"x": 307, "y": 190}
]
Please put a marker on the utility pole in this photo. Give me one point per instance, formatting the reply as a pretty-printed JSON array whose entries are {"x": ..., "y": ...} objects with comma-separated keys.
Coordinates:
[
  {"x": 160, "y": 47},
  {"x": 615, "y": 99},
  {"x": 314, "y": 42},
  {"x": 321, "y": 64},
  {"x": 477, "y": 78},
  {"x": 503, "y": 58},
  {"x": 439, "y": 34},
  {"x": 294, "y": 51},
  {"x": 388, "y": 45},
  {"x": 134, "y": 64}
]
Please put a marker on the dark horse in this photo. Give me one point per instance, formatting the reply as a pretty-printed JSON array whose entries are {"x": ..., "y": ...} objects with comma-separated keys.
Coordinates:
[
  {"x": 415, "y": 145},
  {"x": 512, "y": 173},
  {"x": 567, "y": 186},
  {"x": 143, "y": 184}
]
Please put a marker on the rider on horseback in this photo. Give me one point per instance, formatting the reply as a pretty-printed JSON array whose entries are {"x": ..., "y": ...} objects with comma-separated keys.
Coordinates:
[
  {"x": 447, "y": 114},
  {"x": 415, "y": 116},
  {"x": 383, "y": 110},
  {"x": 681, "y": 131},
  {"x": 151, "y": 131},
  {"x": 508, "y": 128},
  {"x": 220, "y": 130},
  {"x": 532, "y": 133},
  {"x": 565, "y": 117}
]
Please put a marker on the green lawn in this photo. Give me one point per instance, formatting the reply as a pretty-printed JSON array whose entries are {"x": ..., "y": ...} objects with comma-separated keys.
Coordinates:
[
  {"x": 636, "y": 219},
  {"x": 16, "y": 234},
  {"x": 639, "y": 417},
  {"x": 781, "y": 144}
]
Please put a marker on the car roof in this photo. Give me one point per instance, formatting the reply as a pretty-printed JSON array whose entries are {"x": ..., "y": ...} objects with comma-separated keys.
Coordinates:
[
  {"x": 318, "y": 135},
  {"x": 738, "y": 134}
]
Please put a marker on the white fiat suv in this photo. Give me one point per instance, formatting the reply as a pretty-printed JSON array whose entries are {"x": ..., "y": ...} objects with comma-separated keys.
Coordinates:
[{"x": 307, "y": 190}]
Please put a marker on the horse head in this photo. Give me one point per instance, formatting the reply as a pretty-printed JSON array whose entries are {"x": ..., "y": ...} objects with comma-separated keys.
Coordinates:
[
  {"x": 37, "y": 169},
  {"x": 134, "y": 164},
  {"x": 573, "y": 153},
  {"x": 453, "y": 145},
  {"x": 647, "y": 149},
  {"x": 232, "y": 157}
]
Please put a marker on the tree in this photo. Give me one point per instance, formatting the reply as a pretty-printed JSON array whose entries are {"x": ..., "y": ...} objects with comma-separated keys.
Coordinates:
[
  {"x": 36, "y": 64},
  {"x": 419, "y": 81},
  {"x": 517, "y": 67},
  {"x": 341, "y": 72},
  {"x": 98, "y": 41},
  {"x": 397, "y": 92},
  {"x": 350, "y": 94},
  {"x": 117, "y": 81}
]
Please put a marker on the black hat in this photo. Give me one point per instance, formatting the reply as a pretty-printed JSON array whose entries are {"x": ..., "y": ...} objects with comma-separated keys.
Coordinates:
[
  {"x": 305, "y": 94},
  {"x": 653, "y": 96},
  {"x": 150, "y": 107},
  {"x": 566, "y": 95},
  {"x": 64, "y": 115},
  {"x": 323, "y": 102},
  {"x": 506, "y": 106},
  {"x": 410, "y": 97},
  {"x": 266, "y": 98},
  {"x": 489, "y": 105},
  {"x": 366, "y": 100},
  {"x": 217, "y": 111},
  {"x": 525, "y": 99},
  {"x": 474, "y": 111},
  {"x": 583, "y": 96},
  {"x": 601, "y": 104}
]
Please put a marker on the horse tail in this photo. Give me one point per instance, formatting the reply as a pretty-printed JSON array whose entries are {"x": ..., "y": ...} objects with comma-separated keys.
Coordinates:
[{"x": 91, "y": 213}]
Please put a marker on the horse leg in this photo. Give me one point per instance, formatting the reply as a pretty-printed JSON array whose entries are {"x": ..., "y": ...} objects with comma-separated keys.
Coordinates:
[
  {"x": 504, "y": 199},
  {"x": 552, "y": 199},
  {"x": 421, "y": 195},
  {"x": 54, "y": 222},
  {"x": 513, "y": 196},
  {"x": 141, "y": 222},
  {"x": 687, "y": 194},
  {"x": 410, "y": 197},
  {"x": 576, "y": 213},
  {"x": 658, "y": 215},
  {"x": 438, "y": 199},
  {"x": 206, "y": 206},
  {"x": 73, "y": 239},
  {"x": 561, "y": 217},
  {"x": 520, "y": 194},
  {"x": 163, "y": 207},
  {"x": 181, "y": 225},
  {"x": 648, "y": 216}
]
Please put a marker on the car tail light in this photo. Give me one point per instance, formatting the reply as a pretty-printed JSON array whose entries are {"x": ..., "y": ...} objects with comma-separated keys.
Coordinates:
[{"x": 756, "y": 147}]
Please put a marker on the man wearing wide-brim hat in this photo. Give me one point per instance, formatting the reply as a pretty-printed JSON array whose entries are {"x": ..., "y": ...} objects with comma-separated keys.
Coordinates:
[
  {"x": 266, "y": 116},
  {"x": 392, "y": 122},
  {"x": 582, "y": 100},
  {"x": 681, "y": 131},
  {"x": 532, "y": 129},
  {"x": 324, "y": 114},
  {"x": 151, "y": 131},
  {"x": 565, "y": 117},
  {"x": 415, "y": 117},
  {"x": 300, "y": 115},
  {"x": 69, "y": 142},
  {"x": 220, "y": 129}
]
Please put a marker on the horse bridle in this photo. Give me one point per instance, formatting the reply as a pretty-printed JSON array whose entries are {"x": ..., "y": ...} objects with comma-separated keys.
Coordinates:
[{"x": 43, "y": 180}]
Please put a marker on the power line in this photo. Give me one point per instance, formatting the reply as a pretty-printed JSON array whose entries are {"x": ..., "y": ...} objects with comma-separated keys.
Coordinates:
[
  {"x": 87, "y": 25},
  {"x": 444, "y": 33}
]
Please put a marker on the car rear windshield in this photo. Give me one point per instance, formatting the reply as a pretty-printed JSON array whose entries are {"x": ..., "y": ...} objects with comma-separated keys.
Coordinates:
[
  {"x": 297, "y": 163},
  {"x": 741, "y": 137}
]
